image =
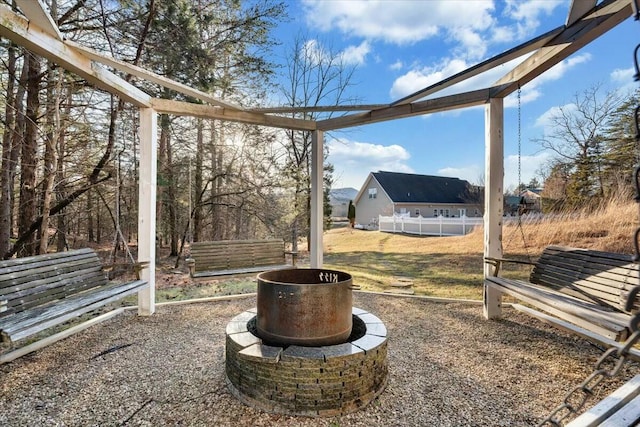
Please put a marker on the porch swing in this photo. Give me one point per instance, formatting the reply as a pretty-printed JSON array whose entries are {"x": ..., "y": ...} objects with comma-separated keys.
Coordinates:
[
  {"x": 593, "y": 294},
  {"x": 579, "y": 290}
]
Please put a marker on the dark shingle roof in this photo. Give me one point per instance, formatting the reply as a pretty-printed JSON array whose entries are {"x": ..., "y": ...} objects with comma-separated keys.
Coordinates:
[{"x": 411, "y": 188}]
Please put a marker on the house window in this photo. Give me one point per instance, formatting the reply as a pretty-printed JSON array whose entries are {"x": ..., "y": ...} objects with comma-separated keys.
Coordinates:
[
  {"x": 373, "y": 193},
  {"x": 417, "y": 212},
  {"x": 477, "y": 212},
  {"x": 446, "y": 213},
  {"x": 441, "y": 212},
  {"x": 435, "y": 212}
]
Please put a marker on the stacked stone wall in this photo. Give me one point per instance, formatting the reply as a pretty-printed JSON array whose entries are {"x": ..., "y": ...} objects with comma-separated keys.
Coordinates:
[{"x": 311, "y": 381}]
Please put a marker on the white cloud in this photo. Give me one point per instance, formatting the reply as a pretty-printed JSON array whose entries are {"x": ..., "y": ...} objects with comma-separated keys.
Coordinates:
[
  {"x": 405, "y": 21},
  {"x": 622, "y": 76},
  {"x": 356, "y": 55},
  {"x": 561, "y": 68},
  {"x": 396, "y": 65},
  {"x": 545, "y": 119},
  {"x": 353, "y": 161},
  {"x": 502, "y": 34},
  {"x": 422, "y": 77},
  {"x": 313, "y": 52},
  {"x": 469, "y": 26},
  {"x": 472, "y": 173},
  {"x": 528, "y": 14},
  {"x": 530, "y": 165},
  {"x": 473, "y": 42}
]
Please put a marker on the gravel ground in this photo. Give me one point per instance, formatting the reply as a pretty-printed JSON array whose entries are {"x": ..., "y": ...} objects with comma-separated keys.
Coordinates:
[{"x": 448, "y": 367}]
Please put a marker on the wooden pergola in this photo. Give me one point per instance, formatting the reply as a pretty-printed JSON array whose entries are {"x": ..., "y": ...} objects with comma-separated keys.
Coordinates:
[{"x": 586, "y": 21}]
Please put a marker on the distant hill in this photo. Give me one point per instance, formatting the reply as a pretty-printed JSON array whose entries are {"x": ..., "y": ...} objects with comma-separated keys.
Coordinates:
[
  {"x": 339, "y": 195},
  {"x": 339, "y": 199}
]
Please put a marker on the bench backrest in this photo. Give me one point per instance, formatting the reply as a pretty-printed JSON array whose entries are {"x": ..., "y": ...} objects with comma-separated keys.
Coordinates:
[
  {"x": 230, "y": 254},
  {"x": 31, "y": 281},
  {"x": 600, "y": 277}
]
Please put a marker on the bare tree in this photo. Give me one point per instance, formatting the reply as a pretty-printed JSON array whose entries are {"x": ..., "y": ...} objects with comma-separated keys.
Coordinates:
[
  {"x": 576, "y": 136},
  {"x": 318, "y": 76}
]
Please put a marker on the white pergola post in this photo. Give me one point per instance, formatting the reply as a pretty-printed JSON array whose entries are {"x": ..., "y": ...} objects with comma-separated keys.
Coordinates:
[
  {"x": 147, "y": 208},
  {"x": 317, "y": 205},
  {"x": 493, "y": 198}
]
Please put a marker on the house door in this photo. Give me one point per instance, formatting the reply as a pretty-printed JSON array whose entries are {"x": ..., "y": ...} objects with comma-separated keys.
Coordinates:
[{"x": 462, "y": 212}]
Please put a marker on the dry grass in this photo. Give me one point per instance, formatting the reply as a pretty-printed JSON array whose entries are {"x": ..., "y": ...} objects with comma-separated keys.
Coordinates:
[
  {"x": 609, "y": 228},
  {"x": 452, "y": 266},
  {"x": 439, "y": 266}
]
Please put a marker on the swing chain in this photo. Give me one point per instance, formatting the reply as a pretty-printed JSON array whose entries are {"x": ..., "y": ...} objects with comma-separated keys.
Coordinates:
[
  {"x": 519, "y": 139},
  {"x": 615, "y": 358}
]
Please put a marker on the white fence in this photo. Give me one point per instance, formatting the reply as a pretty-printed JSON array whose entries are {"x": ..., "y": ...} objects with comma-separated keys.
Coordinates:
[{"x": 439, "y": 226}]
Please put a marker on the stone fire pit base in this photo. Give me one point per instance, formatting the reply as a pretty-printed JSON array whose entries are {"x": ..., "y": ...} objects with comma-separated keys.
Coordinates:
[{"x": 310, "y": 381}]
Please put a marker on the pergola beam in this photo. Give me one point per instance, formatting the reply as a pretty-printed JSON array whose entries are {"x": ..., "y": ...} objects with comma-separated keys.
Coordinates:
[
  {"x": 180, "y": 108},
  {"x": 150, "y": 76},
  {"x": 35, "y": 13},
  {"x": 569, "y": 41},
  {"x": 578, "y": 9},
  {"x": 445, "y": 103},
  {"x": 31, "y": 36},
  {"x": 326, "y": 108},
  {"x": 482, "y": 67}
]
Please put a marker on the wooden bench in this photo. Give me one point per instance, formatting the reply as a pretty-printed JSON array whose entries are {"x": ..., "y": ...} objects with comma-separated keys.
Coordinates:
[
  {"x": 42, "y": 291},
  {"x": 226, "y": 257},
  {"x": 582, "y": 290},
  {"x": 619, "y": 409}
]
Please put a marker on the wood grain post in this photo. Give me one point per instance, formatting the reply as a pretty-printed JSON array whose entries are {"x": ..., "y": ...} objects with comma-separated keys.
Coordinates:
[
  {"x": 147, "y": 208},
  {"x": 317, "y": 205},
  {"x": 494, "y": 189}
]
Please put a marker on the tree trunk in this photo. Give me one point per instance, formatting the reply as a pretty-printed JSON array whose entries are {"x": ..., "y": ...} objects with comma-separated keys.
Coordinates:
[
  {"x": 50, "y": 157},
  {"x": 90, "y": 225},
  {"x": 28, "y": 161},
  {"x": 197, "y": 190},
  {"x": 171, "y": 199},
  {"x": 60, "y": 188},
  {"x": 216, "y": 186},
  {"x": 161, "y": 192},
  {"x": 8, "y": 170}
]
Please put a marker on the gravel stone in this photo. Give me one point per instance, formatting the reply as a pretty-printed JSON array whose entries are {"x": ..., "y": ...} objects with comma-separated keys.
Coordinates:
[{"x": 448, "y": 367}]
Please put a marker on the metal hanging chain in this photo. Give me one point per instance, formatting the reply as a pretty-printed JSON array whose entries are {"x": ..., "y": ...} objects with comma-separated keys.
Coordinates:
[
  {"x": 524, "y": 239},
  {"x": 519, "y": 137},
  {"x": 614, "y": 357}
]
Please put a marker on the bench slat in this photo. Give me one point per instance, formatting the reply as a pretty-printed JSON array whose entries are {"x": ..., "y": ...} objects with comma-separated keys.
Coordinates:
[
  {"x": 54, "y": 291},
  {"x": 213, "y": 273},
  {"x": 41, "y": 291},
  {"x": 603, "y": 411},
  {"x": 9, "y": 279},
  {"x": 17, "y": 262},
  {"x": 627, "y": 416},
  {"x": 217, "y": 258},
  {"x": 44, "y": 317},
  {"x": 585, "y": 287},
  {"x": 591, "y": 317}
]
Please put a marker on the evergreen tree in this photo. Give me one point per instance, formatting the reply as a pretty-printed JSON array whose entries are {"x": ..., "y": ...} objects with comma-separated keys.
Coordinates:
[{"x": 621, "y": 152}]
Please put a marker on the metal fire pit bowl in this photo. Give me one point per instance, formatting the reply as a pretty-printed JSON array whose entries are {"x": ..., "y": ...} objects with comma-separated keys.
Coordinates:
[{"x": 307, "y": 307}]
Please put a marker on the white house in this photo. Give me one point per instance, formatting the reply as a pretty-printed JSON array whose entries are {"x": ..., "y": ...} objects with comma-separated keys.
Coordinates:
[{"x": 389, "y": 193}]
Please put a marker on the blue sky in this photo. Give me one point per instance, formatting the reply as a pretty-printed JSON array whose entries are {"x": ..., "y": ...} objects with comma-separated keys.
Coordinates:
[{"x": 399, "y": 47}]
